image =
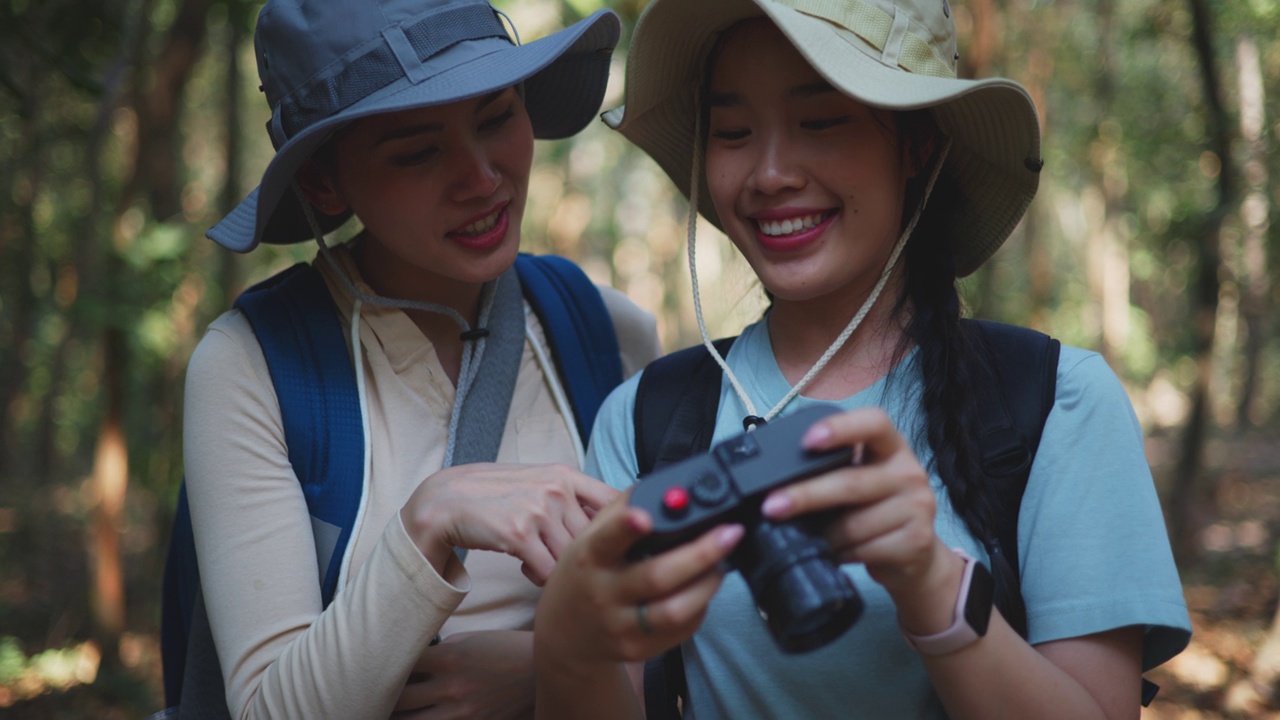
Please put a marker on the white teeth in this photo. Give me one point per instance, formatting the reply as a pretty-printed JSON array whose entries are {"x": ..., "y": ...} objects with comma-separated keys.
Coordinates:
[
  {"x": 482, "y": 225},
  {"x": 789, "y": 226}
]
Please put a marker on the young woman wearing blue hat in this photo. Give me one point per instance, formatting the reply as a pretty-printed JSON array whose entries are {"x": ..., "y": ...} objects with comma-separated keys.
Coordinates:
[
  {"x": 418, "y": 118},
  {"x": 833, "y": 144}
]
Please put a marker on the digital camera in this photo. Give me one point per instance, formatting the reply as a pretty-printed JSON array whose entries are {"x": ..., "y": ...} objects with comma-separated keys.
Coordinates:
[{"x": 804, "y": 597}]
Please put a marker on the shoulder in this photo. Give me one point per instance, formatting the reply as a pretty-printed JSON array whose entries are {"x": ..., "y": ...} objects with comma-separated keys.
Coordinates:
[
  {"x": 228, "y": 372},
  {"x": 636, "y": 328},
  {"x": 1090, "y": 390},
  {"x": 1092, "y": 407},
  {"x": 228, "y": 348},
  {"x": 611, "y": 456},
  {"x": 1091, "y": 492}
]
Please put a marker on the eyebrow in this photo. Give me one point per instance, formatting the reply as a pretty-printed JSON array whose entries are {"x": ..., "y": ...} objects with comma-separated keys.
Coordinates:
[
  {"x": 821, "y": 87},
  {"x": 405, "y": 131},
  {"x": 730, "y": 99}
]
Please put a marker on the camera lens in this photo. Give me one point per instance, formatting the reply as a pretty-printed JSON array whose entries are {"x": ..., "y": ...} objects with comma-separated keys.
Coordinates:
[{"x": 804, "y": 597}]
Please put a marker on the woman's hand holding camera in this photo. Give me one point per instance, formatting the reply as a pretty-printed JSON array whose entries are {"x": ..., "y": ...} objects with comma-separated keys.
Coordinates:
[
  {"x": 600, "y": 606},
  {"x": 886, "y": 514}
]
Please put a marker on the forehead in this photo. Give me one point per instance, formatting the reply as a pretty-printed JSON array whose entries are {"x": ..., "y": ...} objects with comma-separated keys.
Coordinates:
[
  {"x": 755, "y": 50},
  {"x": 431, "y": 117}
]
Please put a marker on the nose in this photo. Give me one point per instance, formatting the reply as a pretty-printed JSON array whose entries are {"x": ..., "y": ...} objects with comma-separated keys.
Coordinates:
[
  {"x": 776, "y": 169},
  {"x": 477, "y": 173}
]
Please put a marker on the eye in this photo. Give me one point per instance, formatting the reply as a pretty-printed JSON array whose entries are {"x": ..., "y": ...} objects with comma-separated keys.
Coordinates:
[
  {"x": 730, "y": 135},
  {"x": 415, "y": 158},
  {"x": 826, "y": 123},
  {"x": 498, "y": 120}
]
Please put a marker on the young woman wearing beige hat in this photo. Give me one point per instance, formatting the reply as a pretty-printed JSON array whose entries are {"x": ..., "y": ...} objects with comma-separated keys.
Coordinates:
[
  {"x": 418, "y": 117},
  {"x": 833, "y": 144}
]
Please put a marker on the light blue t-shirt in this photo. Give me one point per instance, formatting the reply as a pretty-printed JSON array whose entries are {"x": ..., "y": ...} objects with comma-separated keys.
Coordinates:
[{"x": 1092, "y": 545}]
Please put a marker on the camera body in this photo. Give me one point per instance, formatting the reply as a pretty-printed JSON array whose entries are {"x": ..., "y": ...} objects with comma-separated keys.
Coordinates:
[{"x": 803, "y": 595}]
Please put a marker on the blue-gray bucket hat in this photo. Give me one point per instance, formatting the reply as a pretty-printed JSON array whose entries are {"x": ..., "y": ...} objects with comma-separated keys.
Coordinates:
[{"x": 324, "y": 63}]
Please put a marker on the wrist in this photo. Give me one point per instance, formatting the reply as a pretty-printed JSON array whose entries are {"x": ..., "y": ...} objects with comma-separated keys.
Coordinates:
[
  {"x": 970, "y": 613},
  {"x": 426, "y": 534},
  {"x": 925, "y": 602},
  {"x": 558, "y": 660}
]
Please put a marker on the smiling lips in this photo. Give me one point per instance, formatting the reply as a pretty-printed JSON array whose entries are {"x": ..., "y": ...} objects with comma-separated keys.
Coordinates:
[
  {"x": 788, "y": 234},
  {"x": 484, "y": 232}
]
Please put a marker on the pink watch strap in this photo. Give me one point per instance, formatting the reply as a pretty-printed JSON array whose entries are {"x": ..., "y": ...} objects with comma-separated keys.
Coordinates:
[{"x": 959, "y": 634}]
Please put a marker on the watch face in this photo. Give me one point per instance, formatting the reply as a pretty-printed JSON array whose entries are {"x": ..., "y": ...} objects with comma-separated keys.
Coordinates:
[{"x": 977, "y": 606}]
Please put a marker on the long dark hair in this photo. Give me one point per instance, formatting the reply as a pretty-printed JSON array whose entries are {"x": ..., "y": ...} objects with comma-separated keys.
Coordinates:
[{"x": 948, "y": 364}]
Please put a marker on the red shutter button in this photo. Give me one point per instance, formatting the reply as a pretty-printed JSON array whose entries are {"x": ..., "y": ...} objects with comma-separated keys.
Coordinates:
[{"x": 675, "y": 500}]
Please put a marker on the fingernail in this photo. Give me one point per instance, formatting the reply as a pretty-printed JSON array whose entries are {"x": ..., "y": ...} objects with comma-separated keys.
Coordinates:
[
  {"x": 729, "y": 536},
  {"x": 816, "y": 435},
  {"x": 776, "y": 505},
  {"x": 637, "y": 522}
]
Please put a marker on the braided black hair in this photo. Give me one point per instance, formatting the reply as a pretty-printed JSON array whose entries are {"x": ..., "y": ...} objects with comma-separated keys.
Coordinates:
[{"x": 948, "y": 363}]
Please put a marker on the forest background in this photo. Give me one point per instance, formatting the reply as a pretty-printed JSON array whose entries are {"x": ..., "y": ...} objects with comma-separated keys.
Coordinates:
[{"x": 127, "y": 127}]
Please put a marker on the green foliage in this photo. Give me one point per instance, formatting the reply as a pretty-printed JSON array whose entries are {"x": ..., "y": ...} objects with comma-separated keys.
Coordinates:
[
  {"x": 12, "y": 660},
  {"x": 586, "y": 7}
]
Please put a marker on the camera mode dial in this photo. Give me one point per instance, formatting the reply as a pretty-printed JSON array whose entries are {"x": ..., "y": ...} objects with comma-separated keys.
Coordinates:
[{"x": 710, "y": 489}]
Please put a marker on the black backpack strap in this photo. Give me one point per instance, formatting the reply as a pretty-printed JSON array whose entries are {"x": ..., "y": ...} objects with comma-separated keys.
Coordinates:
[
  {"x": 676, "y": 404},
  {"x": 1014, "y": 389},
  {"x": 1015, "y": 392},
  {"x": 664, "y": 685},
  {"x": 677, "y": 400},
  {"x": 181, "y": 589}
]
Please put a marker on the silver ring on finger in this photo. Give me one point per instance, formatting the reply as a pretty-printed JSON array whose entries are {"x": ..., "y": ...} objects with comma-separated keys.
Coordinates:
[{"x": 642, "y": 619}]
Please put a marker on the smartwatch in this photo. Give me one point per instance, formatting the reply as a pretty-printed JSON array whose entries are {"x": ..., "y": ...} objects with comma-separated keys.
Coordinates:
[{"x": 972, "y": 613}]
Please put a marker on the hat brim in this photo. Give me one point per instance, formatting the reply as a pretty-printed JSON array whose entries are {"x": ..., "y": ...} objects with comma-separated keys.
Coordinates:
[
  {"x": 995, "y": 155},
  {"x": 564, "y": 76}
]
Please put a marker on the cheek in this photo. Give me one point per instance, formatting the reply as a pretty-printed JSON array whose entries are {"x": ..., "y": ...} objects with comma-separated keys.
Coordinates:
[
  {"x": 516, "y": 149},
  {"x": 723, "y": 173}
]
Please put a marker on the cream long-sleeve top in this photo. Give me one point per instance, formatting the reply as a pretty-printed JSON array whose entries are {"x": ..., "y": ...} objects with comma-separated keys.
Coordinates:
[{"x": 282, "y": 656}]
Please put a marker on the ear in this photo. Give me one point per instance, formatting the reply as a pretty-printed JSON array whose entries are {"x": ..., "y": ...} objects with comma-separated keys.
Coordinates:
[{"x": 320, "y": 189}]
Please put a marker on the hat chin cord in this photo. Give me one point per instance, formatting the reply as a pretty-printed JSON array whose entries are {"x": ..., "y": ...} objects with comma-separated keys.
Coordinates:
[
  {"x": 752, "y": 418},
  {"x": 472, "y": 347}
]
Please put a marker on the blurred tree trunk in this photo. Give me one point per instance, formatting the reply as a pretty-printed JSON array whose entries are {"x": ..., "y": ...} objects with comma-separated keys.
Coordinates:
[
  {"x": 110, "y": 481},
  {"x": 109, "y": 478},
  {"x": 1255, "y": 692},
  {"x": 1254, "y": 212},
  {"x": 977, "y": 62},
  {"x": 156, "y": 160},
  {"x": 1107, "y": 252},
  {"x": 1193, "y": 499},
  {"x": 238, "y": 16},
  {"x": 1035, "y": 76},
  {"x": 22, "y": 181},
  {"x": 155, "y": 169}
]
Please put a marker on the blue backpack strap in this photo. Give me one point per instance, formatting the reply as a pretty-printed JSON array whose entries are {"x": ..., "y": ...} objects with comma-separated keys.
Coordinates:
[
  {"x": 298, "y": 327},
  {"x": 583, "y": 342},
  {"x": 180, "y": 587}
]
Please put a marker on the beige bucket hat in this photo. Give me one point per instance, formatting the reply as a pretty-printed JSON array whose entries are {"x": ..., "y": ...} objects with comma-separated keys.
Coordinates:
[{"x": 890, "y": 54}]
